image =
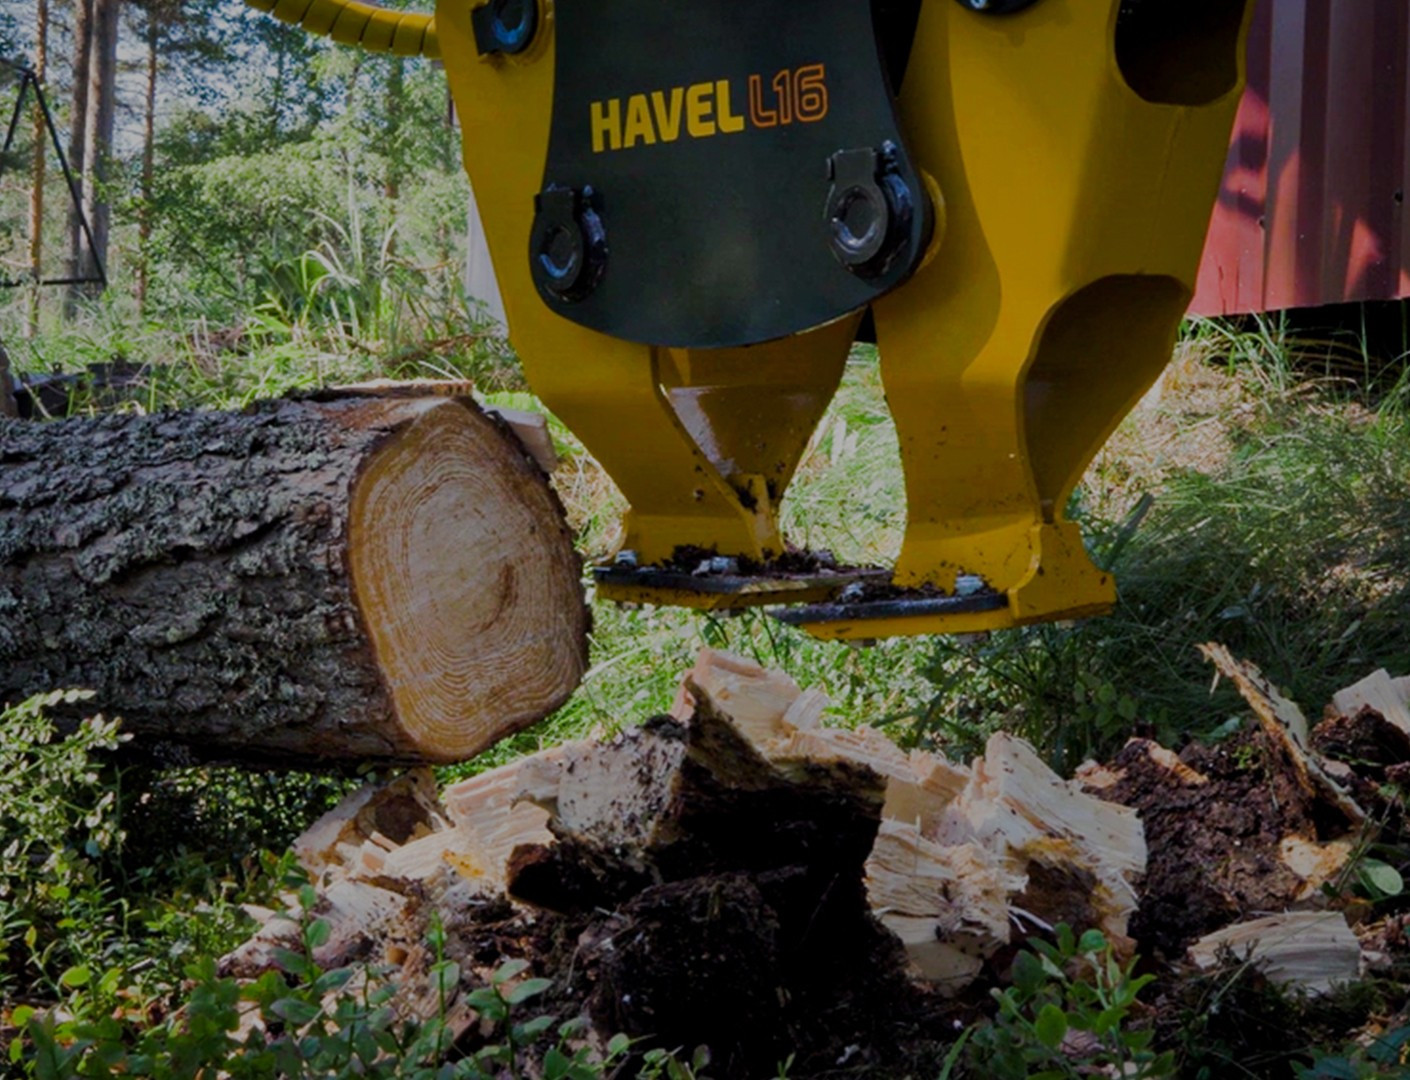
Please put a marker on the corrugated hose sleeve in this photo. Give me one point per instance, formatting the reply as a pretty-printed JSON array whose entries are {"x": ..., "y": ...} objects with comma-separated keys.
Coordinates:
[{"x": 351, "y": 22}]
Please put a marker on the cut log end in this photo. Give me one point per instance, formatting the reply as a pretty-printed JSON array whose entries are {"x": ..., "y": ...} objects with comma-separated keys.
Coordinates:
[
  {"x": 475, "y": 615},
  {"x": 309, "y": 582}
]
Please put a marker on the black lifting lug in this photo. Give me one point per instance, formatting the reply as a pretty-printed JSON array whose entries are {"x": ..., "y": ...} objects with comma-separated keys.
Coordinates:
[
  {"x": 504, "y": 26},
  {"x": 869, "y": 210},
  {"x": 568, "y": 244},
  {"x": 996, "y": 7}
]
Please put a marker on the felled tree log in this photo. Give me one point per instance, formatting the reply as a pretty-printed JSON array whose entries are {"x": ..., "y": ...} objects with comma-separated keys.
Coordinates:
[{"x": 355, "y": 579}]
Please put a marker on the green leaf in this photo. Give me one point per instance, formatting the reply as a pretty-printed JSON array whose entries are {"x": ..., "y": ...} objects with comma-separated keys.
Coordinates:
[
  {"x": 1380, "y": 879},
  {"x": 1093, "y": 941},
  {"x": 508, "y": 970},
  {"x": 1387, "y": 1049},
  {"x": 555, "y": 1064},
  {"x": 618, "y": 1045},
  {"x": 445, "y": 976},
  {"x": 1106, "y": 1020},
  {"x": 487, "y": 1002},
  {"x": 527, "y": 989},
  {"x": 292, "y": 962},
  {"x": 1051, "y": 1025},
  {"x": 317, "y": 933},
  {"x": 76, "y": 976},
  {"x": 294, "y": 1012},
  {"x": 1027, "y": 973},
  {"x": 532, "y": 1029},
  {"x": 333, "y": 980}
]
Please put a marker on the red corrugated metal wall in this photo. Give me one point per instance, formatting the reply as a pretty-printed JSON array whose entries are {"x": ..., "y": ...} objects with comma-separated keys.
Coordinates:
[{"x": 1312, "y": 208}]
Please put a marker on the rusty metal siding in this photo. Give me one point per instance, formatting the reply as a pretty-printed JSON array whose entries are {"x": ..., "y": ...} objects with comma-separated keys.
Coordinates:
[{"x": 1311, "y": 210}]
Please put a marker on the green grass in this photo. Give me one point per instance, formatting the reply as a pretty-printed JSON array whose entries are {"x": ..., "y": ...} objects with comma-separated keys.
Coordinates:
[
  {"x": 1252, "y": 505},
  {"x": 1276, "y": 525},
  {"x": 1290, "y": 546}
]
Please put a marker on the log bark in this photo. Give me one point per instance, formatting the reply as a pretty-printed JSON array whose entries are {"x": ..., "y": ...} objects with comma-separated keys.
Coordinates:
[{"x": 307, "y": 582}]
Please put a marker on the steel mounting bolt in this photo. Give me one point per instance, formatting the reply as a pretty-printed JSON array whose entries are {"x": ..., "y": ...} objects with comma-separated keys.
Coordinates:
[
  {"x": 869, "y": 210},
  {"x": 568, "y": 243},
  {"x": 504, "y": 26}
]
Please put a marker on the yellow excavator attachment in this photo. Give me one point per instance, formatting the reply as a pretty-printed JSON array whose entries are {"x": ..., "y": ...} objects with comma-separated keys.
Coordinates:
[{"x": 1054, "y": 161}]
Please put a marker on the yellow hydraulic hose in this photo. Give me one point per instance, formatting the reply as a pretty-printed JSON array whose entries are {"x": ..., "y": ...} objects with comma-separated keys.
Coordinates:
[{"x": 350, "y": 22}]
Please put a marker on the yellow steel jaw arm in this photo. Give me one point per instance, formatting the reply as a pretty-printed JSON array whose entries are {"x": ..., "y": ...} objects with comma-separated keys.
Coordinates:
[{"x": 1041, "y": 187}]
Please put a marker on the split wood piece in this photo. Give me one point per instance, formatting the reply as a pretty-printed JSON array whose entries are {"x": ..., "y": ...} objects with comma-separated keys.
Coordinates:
[
  {"x": 366, "y": 923},
  {"x": 1231, "y": 830},
  {"x": 949, "y": 905},
  {"x": 530, "y": 428},
  {"x": 1013, "y": 844},
  {"x": 380, "y": 816},
  {"x": 1285, "y": 724},
  {"x": 490, "y": 817},
  {"x": 1389, "y": 697},
  {"x": 962, "y": 853},
  {"x": 1312, "y": 950},
  {"x": 1368, "y": 738},
  {"x": 763, "y": 704},
  {"x": 303, "y": 583}
]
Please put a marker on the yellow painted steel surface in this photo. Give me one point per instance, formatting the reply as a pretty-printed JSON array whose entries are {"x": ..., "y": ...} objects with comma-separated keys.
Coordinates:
[{"x": 1071, "y": 211}]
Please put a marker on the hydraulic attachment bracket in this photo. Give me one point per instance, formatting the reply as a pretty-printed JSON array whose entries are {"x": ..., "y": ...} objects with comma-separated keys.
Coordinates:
[{"x": 691, "y": 207}]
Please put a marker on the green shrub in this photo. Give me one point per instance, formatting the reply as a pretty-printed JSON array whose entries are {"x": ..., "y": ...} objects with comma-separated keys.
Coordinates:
[
  {"x": 57, "y": 819},
  {"x": 1066, "y": 1015},
  {"x": 301, "y": 1023}
]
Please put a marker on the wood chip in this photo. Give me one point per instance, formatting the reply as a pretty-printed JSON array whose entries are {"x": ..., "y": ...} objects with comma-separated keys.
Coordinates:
[
  {"x": 1313, "y": 950},
  {"x": 1389, "y": 697}
]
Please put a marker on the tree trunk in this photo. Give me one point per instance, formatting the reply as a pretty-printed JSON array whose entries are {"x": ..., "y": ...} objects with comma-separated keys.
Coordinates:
[
  {"x": 78, "y": 120},
  {"x": 98, "y": 134},
  {"x": 345, "y": 580},
  {"x": 8, "y": 407},
  {"x": 393, "y": 112},
  {"x": 149, "y": 139},
  {"x": 36, "y": 193}
]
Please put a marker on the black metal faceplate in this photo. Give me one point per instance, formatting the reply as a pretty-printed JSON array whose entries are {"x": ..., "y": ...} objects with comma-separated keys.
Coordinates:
[{"x": 722, "y": 235}]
